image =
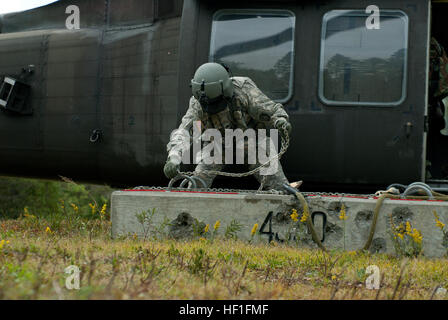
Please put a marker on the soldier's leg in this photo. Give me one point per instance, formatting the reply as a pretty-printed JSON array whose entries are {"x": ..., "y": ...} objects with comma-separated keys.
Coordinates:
[
  {"x": 271, "y": 175},
  {"x": 208, "y": 161},
  {"x": 271, "y": 181},
  {"x": 201, "y": 172}
]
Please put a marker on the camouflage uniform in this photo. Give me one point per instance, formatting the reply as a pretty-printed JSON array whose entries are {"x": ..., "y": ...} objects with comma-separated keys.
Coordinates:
[
  {"x": 438, "y": 71},
  {"x": 438, "y": 86},
  {"x": 249, "y": 108}
]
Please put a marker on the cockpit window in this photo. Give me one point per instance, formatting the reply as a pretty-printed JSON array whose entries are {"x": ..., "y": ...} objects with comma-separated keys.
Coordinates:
[
  {"x": 361, "y": 66},
  {"x": 256, "y": 44}
]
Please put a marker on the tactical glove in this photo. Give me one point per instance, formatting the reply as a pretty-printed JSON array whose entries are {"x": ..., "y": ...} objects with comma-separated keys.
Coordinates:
[{"x": 170, "y": 169}]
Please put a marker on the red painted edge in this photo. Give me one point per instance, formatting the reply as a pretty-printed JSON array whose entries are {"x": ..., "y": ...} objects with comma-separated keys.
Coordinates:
[
  {"x": 310, "y": 195},
  {"x": 157, "y": 190}
]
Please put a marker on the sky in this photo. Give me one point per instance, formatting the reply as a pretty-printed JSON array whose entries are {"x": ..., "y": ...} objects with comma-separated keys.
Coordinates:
[{"x": 7, "y": 6}]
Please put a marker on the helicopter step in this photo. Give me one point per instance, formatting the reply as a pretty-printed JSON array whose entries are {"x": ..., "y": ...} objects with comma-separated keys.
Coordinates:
[{"x": 341, "y": 221}]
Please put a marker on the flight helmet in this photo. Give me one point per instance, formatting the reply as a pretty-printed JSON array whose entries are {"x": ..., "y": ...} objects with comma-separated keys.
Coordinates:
[{"x": 212, "y": 87}]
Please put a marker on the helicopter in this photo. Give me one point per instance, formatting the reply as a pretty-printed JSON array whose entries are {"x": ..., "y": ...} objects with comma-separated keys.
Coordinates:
[{"x": 93, "y": 93}]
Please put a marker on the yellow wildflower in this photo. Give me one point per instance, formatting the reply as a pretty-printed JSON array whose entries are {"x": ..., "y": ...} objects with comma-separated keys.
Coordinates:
[
  {"x": 416, "y": 235},
  {"x": 202, "y": 239},
  {"x": 408, "y": 228},
  {"x": 75, "y": 207},
  {"x": 27, "y": 213},
  {"x": 400, "y": 228},
  {"x": 434, "y": 212},
  {"x": 342, "y": 214},
  {"x": 400, "y": 235},
  {"x": 440, "y": 224},
  {"x": 48, "y": 230},
  {"x": 2, "y": 243},
  {"x": 304, "y": 217},
  {"x": 103, "y": 209},
  {"x": 294, "y": 216},
  {"x": 333, "y": 277},
  {"x": 207, "y": 226},
  {"x": 254, "y": 229},
  {"x": 93, "y": 207},
  {"x": 216, "y": 226}
]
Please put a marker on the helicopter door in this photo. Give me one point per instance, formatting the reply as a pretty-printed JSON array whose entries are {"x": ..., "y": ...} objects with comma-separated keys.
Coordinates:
[
  {"x": 354, "y": 82},
  {"x": 367, "y": 123}
]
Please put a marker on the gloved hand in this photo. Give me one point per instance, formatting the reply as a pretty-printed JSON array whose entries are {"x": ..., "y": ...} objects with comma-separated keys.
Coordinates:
[
  {"x": 283, "y": 126},
  {"x": 170, "y": 168}
]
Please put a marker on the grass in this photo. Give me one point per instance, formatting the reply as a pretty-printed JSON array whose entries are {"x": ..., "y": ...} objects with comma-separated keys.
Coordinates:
[
  {"x": 37, "y": 248},
  {"x": 32, "y": 266}
]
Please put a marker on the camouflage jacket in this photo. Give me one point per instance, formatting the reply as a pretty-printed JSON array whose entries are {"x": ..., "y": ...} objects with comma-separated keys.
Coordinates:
[
  {"x": 249, "y": 108},
  {"x": 438, "y": 71}
]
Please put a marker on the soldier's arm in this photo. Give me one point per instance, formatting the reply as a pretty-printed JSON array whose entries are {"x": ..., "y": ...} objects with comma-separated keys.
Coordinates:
[
  {"x": 260, "y": 107},
  {"x": 181, "y": 138}
]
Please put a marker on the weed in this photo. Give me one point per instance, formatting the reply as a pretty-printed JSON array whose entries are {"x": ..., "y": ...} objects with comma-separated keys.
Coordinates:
[
  {"x": 145, "y": 220},
  {"x": 442, "y": 227},
  {"x": 232, "y": 229},
  {"x": 406, "y": 239}
]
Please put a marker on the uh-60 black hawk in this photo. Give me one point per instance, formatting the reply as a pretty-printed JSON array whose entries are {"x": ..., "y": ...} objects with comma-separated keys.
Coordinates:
[{"x": 98, "y": 103}]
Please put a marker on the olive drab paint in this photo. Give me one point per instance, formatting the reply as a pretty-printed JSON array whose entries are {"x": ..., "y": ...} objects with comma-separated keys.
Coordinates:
[{"x": 125, "y": 71}]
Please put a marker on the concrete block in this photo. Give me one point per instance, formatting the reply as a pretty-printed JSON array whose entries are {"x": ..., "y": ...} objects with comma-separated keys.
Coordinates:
[{"x": 272, "y": 214}]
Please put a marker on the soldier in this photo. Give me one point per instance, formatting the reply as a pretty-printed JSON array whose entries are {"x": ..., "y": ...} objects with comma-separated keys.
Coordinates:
[
  {"x": 437, "y": 112},
  {"x": 438, "y": 86},
  {"x": 223, "y": 102}
]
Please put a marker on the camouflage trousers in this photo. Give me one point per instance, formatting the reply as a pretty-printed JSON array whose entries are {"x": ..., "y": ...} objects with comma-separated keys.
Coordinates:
[
  {"x": 273, "y": 181},
  {"x": 271, "y": 175}
]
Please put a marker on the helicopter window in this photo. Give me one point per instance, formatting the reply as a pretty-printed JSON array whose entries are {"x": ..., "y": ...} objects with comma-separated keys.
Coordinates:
[
  {"x": 360, "y": 66},
  {"x": 256, "y": 44}
]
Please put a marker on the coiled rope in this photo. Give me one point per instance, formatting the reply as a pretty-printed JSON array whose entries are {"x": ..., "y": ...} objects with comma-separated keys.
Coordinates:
[{"x": 434, "y": 196}]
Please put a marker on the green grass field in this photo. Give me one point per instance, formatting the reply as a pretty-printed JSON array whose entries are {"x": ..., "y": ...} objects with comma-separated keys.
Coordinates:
[{"x": 55, "y": 225}]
